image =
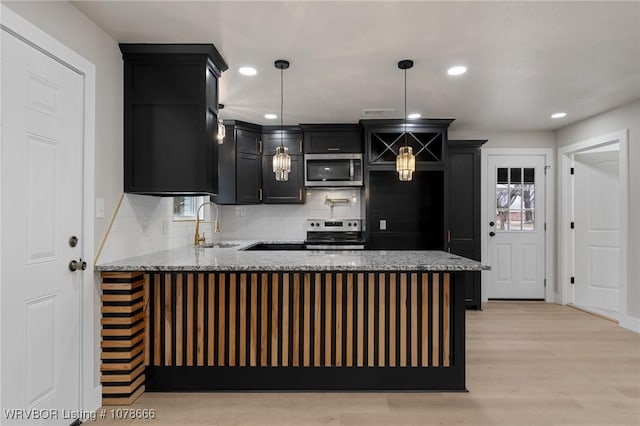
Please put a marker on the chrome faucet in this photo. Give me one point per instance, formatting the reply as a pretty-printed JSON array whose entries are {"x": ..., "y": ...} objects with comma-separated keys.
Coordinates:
[{"x": 197, "y": 239}]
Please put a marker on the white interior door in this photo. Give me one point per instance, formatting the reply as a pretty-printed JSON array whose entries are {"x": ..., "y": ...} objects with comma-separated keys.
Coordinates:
[
  {"x": 516, "y": 244},
  {"x": 42, "y": 182},
  {"x": 597, "y": 231}
]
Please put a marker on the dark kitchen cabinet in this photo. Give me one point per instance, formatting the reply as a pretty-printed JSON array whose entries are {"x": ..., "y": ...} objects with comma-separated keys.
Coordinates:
[
  {"x": 406, "y": 215},
  {"x": 463, "y": 236},
  {"x": 240, "y": 164},
  {"x": 332, "y": 138},
  {"x": 292, "y": 190},
  {"x": 170, "y": 118}
]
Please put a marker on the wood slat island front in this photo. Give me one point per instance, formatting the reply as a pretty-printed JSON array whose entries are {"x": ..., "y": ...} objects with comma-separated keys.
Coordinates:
[{"x": 328, "y": 329}]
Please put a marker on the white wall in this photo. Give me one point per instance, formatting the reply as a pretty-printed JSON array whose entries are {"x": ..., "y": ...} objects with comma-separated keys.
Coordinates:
[
  {"x": 508, "y": 139},
  {"x": 626, "y": 117}
]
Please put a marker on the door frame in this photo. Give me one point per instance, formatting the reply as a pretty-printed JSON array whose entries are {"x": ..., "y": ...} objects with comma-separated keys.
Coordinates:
[
  {"x": 565, "y": 215},
  {"x": 549, "y": 236},
  {"x": 89, "y": 386}
]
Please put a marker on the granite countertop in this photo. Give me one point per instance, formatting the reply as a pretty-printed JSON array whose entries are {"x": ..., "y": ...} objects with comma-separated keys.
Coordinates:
[{"x": 193, "y": 258}]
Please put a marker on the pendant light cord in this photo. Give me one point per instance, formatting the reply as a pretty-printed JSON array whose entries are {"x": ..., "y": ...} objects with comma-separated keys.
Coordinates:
[
  {"x": 405, "y": 107},
  {"x": 281, "y": 105}
]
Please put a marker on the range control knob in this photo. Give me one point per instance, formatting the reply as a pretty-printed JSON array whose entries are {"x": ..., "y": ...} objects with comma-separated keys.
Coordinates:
[
  {"x": 349, "y": 223},
  {"x": 313, "y": 224},
  {"x": 317, "y": 224}
]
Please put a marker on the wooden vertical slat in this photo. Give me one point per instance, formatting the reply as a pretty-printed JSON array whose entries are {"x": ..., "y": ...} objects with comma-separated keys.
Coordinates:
[
  {"x": 370, "y": 322},
  {"x": 306, "y": 331},
  {"x": 414, "y": 320},
  {"x": 242, "y": 338},
  {"x": 338, "y": 320},
  {"x": 264, "y": 299},
  {"x": 317, "y": 314},
  {"x": 156, "y": 320},
  {"x": 403, "y": 319},
  {"x": 168, "y": 326},
  {"x": 190, "y": 317},
  {"x": 147, "y": 337},
  {"x": 327, "y": 320},
  {"x": 296, "y": 320},
  {"x": 392, "y": 319},
  {"x": 221, "y": 320},
  {"x": 232, "y": 320},
  {"x": 179, "y": 321},
  {"x": 360, "y": 337},
  {"x": 349, "y": 348},
  {"x": 253, "y": 326},
  {"x": 200, "y": 327},
  {"x": 425, "y": 325},
  {"x": 274, "y": 319},
  {"x": 446, "y": 312},
  {"x": 211, "y": 318},
  {"x": 435, "y": 302},
  {"x": 285, "y": 320},
  {"x": 382, "y": 331}
]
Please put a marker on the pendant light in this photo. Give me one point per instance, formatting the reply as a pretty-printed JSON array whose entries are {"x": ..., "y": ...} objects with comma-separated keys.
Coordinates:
[
  {"x": 406, "y": 161},
  {"x": 282, "y": 159},
  {"x": 222, "y": 131}
]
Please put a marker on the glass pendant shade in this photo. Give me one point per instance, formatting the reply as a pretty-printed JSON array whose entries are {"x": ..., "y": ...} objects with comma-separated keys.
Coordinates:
[
  {"x": 282, "y": 164},
  {"x": 221, "y": 132},
  {"x": 405, "y": 163}
]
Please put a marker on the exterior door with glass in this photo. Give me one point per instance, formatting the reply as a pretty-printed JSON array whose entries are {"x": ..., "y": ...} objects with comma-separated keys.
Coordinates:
[{"x": 516, "y": 186}]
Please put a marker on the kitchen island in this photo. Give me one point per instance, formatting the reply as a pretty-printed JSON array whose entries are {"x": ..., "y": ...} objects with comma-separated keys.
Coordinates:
[{"x": 195, "y": 319}]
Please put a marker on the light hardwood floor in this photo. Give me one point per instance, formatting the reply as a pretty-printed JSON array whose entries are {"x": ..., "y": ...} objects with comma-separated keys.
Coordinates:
[{"x": 528, "y": 363}]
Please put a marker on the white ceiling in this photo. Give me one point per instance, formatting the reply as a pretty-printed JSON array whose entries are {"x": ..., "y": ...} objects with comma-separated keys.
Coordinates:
[{"x": 525, "y": 60}]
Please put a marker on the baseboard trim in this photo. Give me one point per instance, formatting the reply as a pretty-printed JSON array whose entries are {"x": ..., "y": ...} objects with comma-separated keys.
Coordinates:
[
  {"x": 630, "y": 323},
  {"x": 590, "y": 312}
]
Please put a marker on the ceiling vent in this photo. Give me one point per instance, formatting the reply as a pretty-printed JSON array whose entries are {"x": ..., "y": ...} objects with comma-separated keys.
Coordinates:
[{"x": 378, "y": 111}]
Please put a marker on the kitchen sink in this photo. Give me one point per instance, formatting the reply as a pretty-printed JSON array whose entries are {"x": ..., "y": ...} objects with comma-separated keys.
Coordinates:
[
  {"x": 219, "y": 245},
  {"x": 276, "y": 246}
]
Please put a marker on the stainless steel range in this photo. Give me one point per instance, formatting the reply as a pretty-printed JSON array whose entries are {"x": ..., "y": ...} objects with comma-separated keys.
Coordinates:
[{"x": 334, "y": 234}]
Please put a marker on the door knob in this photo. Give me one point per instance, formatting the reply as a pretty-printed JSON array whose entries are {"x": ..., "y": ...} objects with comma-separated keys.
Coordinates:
[
  {"x": 492, "y": 234},
  {"x": 76, "y": 265},
  {"x": 492, "y": 223}
]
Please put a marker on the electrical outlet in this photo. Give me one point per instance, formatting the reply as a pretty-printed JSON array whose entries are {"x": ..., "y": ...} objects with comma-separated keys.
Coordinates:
[{"x": 383, "y": 224}]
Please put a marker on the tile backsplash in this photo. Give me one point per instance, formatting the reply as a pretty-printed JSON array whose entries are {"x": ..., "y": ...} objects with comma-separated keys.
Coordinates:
[
  {"x": 144, "y": 224},
  {"x": 286, "y": 222}
]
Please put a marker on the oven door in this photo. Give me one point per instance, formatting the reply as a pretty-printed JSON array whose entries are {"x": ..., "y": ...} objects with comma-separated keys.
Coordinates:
[{"x": 333, "y": 170}]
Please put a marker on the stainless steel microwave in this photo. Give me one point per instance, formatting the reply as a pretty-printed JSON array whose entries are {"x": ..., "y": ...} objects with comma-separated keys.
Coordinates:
[{"x": 333, "y": 170}]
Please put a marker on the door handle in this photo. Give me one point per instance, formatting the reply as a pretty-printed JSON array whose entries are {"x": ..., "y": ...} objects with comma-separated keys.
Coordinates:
[
  {"x": 77, "y": 265},
  {"x": 492, "y": 234}
]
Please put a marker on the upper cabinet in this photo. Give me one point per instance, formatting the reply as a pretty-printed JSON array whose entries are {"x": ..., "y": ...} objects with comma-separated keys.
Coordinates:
[
  {"x": 332, "y": 138},
  {"x": 240, "y": 164},
  {"x": 282, "y": 192},
  {"x": 170, "y": 118},
  {"x": 427, "y": 138}
]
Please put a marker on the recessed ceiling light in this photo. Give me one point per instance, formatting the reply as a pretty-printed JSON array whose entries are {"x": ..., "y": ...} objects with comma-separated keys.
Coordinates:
[
  {"x": 457, "y": 70},
  {"x": 414, "y": 115},
  {"x": 270, "y": 116},
  {"x": 559, "y": 115},
  {"x": 248, "y": 71}
]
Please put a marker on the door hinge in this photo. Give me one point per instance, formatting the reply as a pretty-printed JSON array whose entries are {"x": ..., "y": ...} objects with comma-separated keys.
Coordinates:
[
  {"x": 545, "y": 283},
  {"x": 573, "y": 225},
  {"x": 545, "y": 226},
  {"x": 573, "y": 171},
  {"x": 573, "y": 280}
]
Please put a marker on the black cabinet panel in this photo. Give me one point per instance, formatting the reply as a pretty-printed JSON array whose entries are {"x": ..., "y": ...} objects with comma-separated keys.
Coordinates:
[
  {"x": 240, "y": 165},
  {"x": 288, "y": 192},
  {"x": 464, "y": 212},
  {"x": 170, "y": 118},
  {"x": 249, "y": 178},
  {"x": 332, "y": 138},
  {"x": 290, "y": 138},
  {"x": 412, "y": 212}
]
